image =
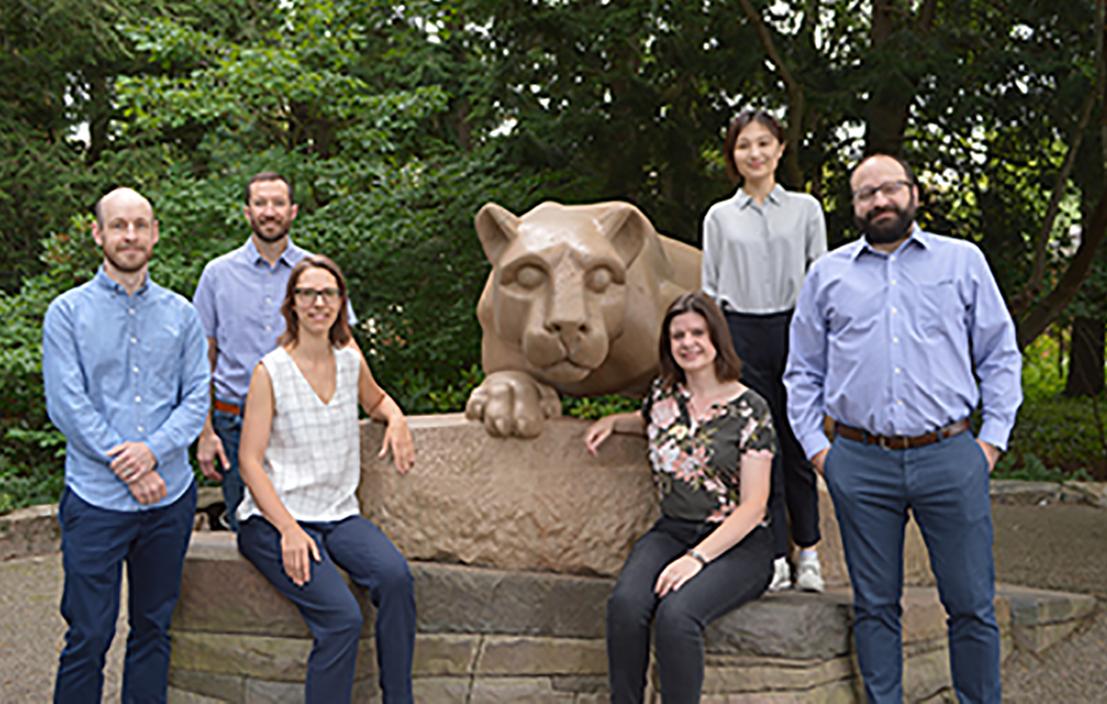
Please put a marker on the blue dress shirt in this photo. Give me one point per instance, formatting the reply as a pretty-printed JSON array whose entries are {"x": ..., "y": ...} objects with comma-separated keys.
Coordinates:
[
  {"x": 894, "y": 343},
  {"x": 120, "y": 368},
  {"x": 239, "y": 299}
]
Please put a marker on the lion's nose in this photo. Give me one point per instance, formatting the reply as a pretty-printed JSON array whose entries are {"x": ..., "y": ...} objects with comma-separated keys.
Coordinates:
[{"x": 568, "y": 330}]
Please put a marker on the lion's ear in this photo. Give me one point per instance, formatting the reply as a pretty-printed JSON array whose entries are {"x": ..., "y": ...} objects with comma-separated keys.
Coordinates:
[
  {"x": 626, "y": 227},
  {"x": 497, "y": 227}
]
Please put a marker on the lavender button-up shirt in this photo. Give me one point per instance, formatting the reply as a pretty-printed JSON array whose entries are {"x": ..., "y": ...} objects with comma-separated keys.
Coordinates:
[{"x": 894, "y": 343}]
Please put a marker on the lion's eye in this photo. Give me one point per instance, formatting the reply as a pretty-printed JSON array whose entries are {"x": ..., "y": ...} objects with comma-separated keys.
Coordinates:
[
  {"x": 599, "y": 278},
  {"x": 530, "y": 276}
]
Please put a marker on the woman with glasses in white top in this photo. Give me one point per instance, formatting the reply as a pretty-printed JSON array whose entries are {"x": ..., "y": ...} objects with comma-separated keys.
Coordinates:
[
  {"x": 757, "y": 246},
  {"x": 299, "y": 458}
]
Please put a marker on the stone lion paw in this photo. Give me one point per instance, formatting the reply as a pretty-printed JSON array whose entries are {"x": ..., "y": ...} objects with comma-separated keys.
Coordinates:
[{"x": 512, "y": 404}]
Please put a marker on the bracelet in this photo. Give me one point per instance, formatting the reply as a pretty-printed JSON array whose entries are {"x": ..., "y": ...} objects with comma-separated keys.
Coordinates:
[{"x": 698, "y": 556}]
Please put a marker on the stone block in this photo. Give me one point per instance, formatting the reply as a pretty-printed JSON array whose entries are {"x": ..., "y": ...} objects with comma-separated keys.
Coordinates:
[
  {"x": 745, "y": 675},
  {"x": 253, "y": 656},
  {"x": 175, "y": 695},
  {"x": 457, "y": 599},
  {"x": 430, "y": 690},
  {"x": 926, "y": 673},
  {"x": 268, "y": 692},
  {"x": 1041, "y": 618},
  {"x": 517, "y": 690},
  {"x": 787, "y": 625},
  {"x": 29, "y": 531},
  {"x": 229, "y": 688},
  {"x": 519, "y": 655},
  {"x": 442, "y": 654},
  {"x": 543, "y": 504}
]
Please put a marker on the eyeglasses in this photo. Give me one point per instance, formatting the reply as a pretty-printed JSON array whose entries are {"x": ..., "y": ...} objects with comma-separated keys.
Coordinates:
[
  {"x": 307, "y": 296},
  {"x": 887, "y": 189}
]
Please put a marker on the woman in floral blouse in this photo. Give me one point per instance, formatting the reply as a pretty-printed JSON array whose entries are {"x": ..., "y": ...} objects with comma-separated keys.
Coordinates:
[{"x": 711, "y": 445}]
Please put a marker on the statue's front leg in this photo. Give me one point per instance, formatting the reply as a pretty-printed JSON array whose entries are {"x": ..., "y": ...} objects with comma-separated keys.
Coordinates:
[{"x": 513, "y": 404}]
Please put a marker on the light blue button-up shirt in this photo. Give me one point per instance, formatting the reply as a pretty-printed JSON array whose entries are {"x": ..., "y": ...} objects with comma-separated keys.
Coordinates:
[
  {"x": 120, "y": 368},
  {"x": 239, "y": 299},
  {"x": 894, "y": 343}
]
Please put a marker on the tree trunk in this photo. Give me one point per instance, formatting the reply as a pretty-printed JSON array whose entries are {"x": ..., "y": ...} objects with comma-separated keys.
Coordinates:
[{"x": 1086, "y": 357}]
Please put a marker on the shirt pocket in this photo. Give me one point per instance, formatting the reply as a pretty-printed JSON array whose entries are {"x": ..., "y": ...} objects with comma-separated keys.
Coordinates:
[
  {"x": 162, "y": 356},
  {"x": 940, "y": 307}
]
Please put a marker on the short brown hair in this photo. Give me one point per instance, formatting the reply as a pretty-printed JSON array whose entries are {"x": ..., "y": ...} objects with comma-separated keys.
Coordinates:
[
  {"x": 740, "y": 123},
  {"x": 339, "y": 334},
  {"x": 728, "y": 367},
  {"x": 268, "y": 176}
]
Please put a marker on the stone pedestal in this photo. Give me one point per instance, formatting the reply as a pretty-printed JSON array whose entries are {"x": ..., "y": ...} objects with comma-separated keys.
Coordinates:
[{"x": 543, "y": 504}]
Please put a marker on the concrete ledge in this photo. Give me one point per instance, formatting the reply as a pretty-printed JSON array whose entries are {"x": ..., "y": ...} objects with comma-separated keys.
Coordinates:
[{"x": 29, "y": 531}]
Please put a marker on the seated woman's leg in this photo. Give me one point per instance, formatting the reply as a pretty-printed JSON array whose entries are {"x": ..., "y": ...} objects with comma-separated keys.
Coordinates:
[
  {"x": 373, "y": 562},
  {"x": 326, "y": 603},
  {"x": 735, "y": 577},
  {"x": 630, "y": 610}
]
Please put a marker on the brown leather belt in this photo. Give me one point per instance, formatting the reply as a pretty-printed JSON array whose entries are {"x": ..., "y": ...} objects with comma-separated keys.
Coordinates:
[
  {"x": 901, "y": 442},
  {"x": 226, "y": 407}
]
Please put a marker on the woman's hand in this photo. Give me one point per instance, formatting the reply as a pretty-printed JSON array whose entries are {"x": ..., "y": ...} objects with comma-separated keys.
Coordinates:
[
  {"x": 676, "y": 573},
  {"x": 297, "y": 551},
  {"x": 397, "y": 438},
  {"x": 598, "y": 432}
]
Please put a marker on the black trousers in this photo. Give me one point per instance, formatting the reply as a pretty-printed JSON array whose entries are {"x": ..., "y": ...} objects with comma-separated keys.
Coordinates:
[
  {"x": 730, "y": 580},
  {"x": 761, "y": 341}
]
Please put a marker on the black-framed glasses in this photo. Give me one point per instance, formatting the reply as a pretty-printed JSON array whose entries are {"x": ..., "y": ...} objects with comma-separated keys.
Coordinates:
[
  {"x": 887, "y": 189},
  {"x": 307, "y": 296}
]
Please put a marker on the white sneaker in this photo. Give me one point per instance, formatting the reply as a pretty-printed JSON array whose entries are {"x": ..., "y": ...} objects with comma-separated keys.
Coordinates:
[
  {"x": 809, "y": 575},
  {"x": 782, "y": 575}
]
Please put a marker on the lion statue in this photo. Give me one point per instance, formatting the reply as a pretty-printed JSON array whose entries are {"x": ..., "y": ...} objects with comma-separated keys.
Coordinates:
[{"x": 573, "y": 304}]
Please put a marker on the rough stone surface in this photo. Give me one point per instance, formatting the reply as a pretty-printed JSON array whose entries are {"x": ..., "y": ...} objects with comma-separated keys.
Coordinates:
[
  {"x": 253, "y": 656},
  {"x": 517, "y": 655},
  {"x": 29, "y": 531},
  {"x": 208, "y": 684},
  {"x": 787, "y": 625},
  {"x": 543, "y": 504}
]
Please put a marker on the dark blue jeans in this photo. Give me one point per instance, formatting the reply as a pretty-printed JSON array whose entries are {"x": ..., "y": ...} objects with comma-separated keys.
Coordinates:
[
  {"x": 95, "y": 545},
  {"x": 228, "y": 427},
  {"x": 730, "y": 580},
  {"x": 945, "y": 487},
  {"x": 332, "y": 612}
]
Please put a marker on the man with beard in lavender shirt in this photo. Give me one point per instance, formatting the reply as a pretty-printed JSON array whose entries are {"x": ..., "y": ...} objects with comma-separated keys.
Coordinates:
[{"x": 890, "y": 337}]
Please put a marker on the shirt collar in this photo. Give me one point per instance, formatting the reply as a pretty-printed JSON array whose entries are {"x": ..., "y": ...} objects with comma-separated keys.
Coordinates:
[
  {"x": 104, "y": 281},
  {"x": 290, "y": 256},
  {"x": 776, "y": 196},
  {"x": 917, "y": 236}
]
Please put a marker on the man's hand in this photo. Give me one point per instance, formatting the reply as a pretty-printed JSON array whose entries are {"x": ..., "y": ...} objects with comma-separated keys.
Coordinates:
[
  {"x": 149, "y": 488},
  {"x": 991, "y": 452},
  {"x": 397, "y": 438},
  {"x": 131, "y": 460},
  {"x": 819, "y": 460},
  {"x": 208, "y": 447}
]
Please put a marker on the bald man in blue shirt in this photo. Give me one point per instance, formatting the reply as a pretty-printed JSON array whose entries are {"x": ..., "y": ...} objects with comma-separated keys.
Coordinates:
[
  {"x": 125, "y": 369},
  {"x": 891, "y": 334}
]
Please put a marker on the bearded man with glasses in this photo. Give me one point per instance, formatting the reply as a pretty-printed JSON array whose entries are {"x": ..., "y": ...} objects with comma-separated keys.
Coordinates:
[
  {"x": 239, "y": 298},
  {"x": 891, "y": 334}
]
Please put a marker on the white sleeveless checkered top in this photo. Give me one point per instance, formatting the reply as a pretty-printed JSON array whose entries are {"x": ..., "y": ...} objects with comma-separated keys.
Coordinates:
[{"x": 313, "y": 458}]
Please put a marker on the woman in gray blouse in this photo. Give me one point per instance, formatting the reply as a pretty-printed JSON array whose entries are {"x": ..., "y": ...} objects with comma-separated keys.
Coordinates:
[{"x": 757, "y": 246}]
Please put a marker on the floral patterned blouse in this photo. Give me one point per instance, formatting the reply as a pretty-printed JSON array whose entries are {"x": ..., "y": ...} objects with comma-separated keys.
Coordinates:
[{"x": 696, "y": 463}]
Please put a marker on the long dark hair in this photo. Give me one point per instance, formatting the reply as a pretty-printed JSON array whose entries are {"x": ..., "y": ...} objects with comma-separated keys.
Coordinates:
[
  {"x": 339, "y": 333},
  {"x": 740, "y": 123},
  {"x": 728, "y": 367}
]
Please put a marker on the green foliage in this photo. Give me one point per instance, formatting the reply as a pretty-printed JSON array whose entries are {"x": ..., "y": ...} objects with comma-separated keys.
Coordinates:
[{"x": 598, "y": 407}]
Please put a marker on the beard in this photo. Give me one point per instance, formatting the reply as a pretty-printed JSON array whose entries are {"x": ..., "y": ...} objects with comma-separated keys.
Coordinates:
[
  {"x": 121, "y": 265},
  {"x": 256, "y": 226},
  {"x": 889, "y": 230}
]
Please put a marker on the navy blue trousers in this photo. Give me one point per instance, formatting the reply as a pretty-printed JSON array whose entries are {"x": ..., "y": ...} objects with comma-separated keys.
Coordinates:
[
  {"x": 228, "y": 428},
  {"x": 945, "y": 488},
  {"x": 332, "y": 612},
  {"x": 95, "y": 544},
  {"x": 730, "y": 580}
]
